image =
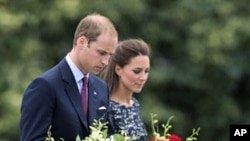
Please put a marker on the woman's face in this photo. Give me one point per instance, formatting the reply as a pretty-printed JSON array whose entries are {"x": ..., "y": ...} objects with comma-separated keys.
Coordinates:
[{"x": 134, "y": 75}]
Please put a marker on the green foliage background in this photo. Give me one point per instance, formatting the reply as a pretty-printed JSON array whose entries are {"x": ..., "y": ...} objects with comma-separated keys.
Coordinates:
[{"x": 199, "y": 69}]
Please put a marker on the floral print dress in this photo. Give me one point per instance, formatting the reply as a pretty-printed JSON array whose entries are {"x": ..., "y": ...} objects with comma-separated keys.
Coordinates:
[{"x": 127, "y": 118}]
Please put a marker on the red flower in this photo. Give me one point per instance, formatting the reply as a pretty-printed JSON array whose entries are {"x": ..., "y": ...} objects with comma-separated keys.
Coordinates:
[
  {"x": 173, "y": 137},
  {"x": 153, "y": 138}
]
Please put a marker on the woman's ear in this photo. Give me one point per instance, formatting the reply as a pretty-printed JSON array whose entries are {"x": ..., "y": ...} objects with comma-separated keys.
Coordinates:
[{"x": 118, "y": 70}]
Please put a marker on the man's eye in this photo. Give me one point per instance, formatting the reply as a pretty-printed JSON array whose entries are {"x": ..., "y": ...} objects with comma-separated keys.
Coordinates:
[{"x": 102, "y": 53}]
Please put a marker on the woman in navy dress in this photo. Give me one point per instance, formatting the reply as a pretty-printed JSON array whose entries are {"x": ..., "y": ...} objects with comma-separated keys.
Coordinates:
[{"x": 126, "y": 74}]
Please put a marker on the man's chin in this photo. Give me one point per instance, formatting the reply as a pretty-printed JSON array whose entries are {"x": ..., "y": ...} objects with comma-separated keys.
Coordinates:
[{"x": 95, "y": 72}]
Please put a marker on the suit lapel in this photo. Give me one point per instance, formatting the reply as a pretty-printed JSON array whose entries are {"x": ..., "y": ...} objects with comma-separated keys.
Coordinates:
[
  {"x": 93, "y": 97},
  {"x": 72, "y": 91},
  {"x": 76, "y": 102}
]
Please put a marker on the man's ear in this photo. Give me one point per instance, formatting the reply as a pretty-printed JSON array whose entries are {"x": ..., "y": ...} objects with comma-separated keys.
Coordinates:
[{"x": 82, "y": 41}]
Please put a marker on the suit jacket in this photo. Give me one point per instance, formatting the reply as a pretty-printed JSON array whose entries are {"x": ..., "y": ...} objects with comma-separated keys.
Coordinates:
[{"x": 53, "y": 99}]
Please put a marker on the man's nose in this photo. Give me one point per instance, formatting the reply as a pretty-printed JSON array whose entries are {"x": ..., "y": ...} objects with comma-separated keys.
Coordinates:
[{"x": 105, "y": 60}]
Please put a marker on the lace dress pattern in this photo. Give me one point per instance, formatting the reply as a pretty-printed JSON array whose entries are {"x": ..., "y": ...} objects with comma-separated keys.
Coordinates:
[{"x": 127, "y": 118}]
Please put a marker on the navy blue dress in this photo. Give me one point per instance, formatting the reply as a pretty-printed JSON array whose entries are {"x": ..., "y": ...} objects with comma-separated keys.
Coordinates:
[{"x": 127, "y": 118}]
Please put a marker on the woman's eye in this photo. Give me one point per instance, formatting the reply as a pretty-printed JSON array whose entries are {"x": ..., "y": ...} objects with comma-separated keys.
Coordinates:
[{"x": 137, "y": 71}]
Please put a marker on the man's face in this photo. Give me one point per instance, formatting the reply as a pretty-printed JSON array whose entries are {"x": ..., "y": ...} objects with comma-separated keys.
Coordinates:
[{"x": 95, "y": 56}]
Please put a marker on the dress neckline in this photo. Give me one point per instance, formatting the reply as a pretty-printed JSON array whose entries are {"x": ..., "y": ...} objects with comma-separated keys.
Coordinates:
[{"x": 122, "y": 105}]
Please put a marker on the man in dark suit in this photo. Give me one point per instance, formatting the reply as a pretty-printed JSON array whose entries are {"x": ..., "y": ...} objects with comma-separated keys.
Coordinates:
[{"x": 54, "y": 98}]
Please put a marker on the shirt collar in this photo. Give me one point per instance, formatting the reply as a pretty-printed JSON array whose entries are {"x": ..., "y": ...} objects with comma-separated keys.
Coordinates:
[{"x": 78, "y": 75}]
